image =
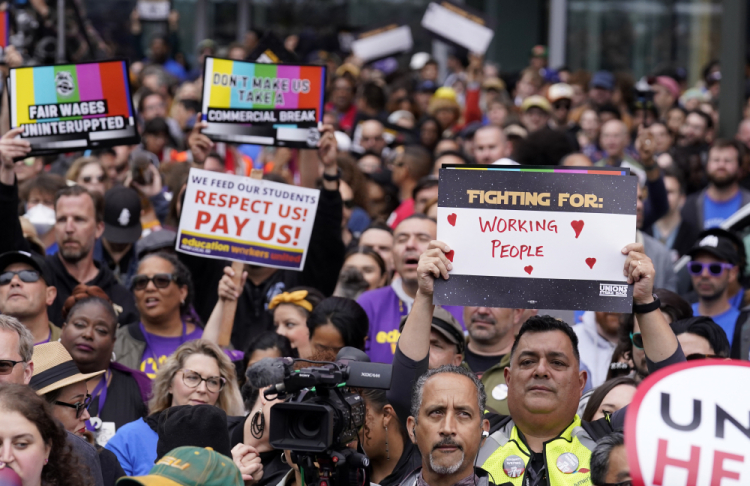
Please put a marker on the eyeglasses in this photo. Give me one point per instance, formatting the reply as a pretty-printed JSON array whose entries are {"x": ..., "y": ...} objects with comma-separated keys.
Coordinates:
[
  {"x": 192, "y": 379},
  {"x": 6, "y": 366},
  {"x": 637, "y": 340},
  {"x": 161, "y": 281},
  {"x": 27, "y": 276},
  {"x": 714, "y": 269},
  {"x": 695, "y": 356},
  {"x": 79, "y": 406},
  {"x": 89, "y": 179},
  {"x": 562, "y": 104}
]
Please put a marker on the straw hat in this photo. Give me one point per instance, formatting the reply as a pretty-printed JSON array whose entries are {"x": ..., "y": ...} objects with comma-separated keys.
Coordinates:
[{"x": 54, "y": 368}]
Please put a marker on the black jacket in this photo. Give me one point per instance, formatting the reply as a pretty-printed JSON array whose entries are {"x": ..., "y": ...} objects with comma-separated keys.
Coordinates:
[{"x": 11, "y": 239}]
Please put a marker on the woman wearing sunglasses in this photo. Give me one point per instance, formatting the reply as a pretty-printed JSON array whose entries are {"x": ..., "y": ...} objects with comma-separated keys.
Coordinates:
[
  {"x": 119, "y": 396},
  {"x": 56, "y": 379},
  {"x": 163, "y": 293},
  {"x": 89, "y": 173},
  {"x": 198, "y": 373}
]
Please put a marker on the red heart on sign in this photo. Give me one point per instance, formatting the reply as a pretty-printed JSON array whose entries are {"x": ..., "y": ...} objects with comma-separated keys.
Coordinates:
[
  {"x": 452, "y": 219},
  {"x": 528, "y": 269},
  {"x": 590, "y": 262},
  {"x": 577, "y": 226},
  {"x": 449, "y": 255}
]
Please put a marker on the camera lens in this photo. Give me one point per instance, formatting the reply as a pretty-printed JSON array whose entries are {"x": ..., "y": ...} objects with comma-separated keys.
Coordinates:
[{"x": 308, "y": 426}]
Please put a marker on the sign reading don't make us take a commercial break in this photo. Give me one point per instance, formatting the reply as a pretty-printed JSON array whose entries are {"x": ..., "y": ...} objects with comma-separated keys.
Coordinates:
[
  {"x": 73, "y": 106},
  {"x": 254, "y": 221},
  {"x": 263, "y": 104},
  {"x": 545, "y": 238}
]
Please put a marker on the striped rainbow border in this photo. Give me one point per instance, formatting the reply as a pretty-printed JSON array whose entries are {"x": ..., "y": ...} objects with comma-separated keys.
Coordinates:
[{"x": 557, "y": 170}]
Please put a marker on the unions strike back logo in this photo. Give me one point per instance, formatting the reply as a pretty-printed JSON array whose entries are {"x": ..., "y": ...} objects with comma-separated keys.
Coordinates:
[{"x": 64, "y": 83}]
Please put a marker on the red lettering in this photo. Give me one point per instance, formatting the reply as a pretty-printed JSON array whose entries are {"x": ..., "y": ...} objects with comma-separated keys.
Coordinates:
[
  {"x": 212, "y": 199},
  {"x": 281, "y": 207},
  {"x": 511, "y": 251},
  {"x": 270, "y": 232},
  {"x": 719, "y": 472},
  {"x": 495, "y": 244},
  {"x": 487, "y": 226},
  {"x": 297, "y": 214},
  {"x": 203, "y": 218},
  {"x": 525, "y": 249},
  {"x": 521, "y": 227},
  {"x": 200, "y": 196},
  {"x": 267, "y": 203},
  {"x": 284, "y": 232},
  {"x": 505, "y": 225},
  {"x": 252, "y": 206},
  {"x": 539, "y": 250},
  {"x": 511, "y": 225},
  {"x": 541, "y": 225},
  {"x": 240, "y": 224},
  {"x": 233, "y": 200},
  {"x": 662, "y": 461},
  {"x": 221, "y": 224},
  {"x": 504, "y": 251},
  {"x": 244, "y": 204}
]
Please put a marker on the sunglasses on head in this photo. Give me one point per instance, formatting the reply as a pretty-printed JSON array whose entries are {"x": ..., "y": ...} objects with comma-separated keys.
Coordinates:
[
  {"x": 79, "y": 406},
  {"x": 161, "y": 281},
  {"x": 636, "y": 339},
  {"x": 714, "y": 269},
  {"x": 6, "y": 366},
  {"x": 27, "y": 276},
  {"x": 89, "y": 179}
]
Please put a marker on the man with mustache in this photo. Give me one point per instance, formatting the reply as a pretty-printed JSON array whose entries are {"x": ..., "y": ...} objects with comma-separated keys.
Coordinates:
[
  {"x": 448, "y": 427},
  {"x": 543, "y": 440}
]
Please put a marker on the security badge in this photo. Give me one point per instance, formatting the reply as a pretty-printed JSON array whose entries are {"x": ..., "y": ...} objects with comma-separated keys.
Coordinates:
[
  {"x": 567, "y": 463},
  {"x": 514, "y": 466}
]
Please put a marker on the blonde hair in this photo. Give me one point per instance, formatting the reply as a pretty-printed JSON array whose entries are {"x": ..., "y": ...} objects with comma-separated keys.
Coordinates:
[
  {"x": 229, "y": 400},
  {"x": 77, "y": 166}
]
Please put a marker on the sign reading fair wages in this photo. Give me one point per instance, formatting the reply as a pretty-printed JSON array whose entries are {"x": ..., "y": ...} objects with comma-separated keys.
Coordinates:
[
  {"x": 73, "y": 106},
  {"x": 544, "y": 238},
  {"x": 247, "y": 220},
  {"x": 263, "y": 104},
  {"x": 688, "y": 426}
]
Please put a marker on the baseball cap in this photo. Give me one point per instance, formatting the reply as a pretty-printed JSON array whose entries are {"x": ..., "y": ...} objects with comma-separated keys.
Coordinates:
[
  {"x": 155, "y": 241},
  {"x": 717, "y": 245},
  {"x": 199, "y": 425},
  {"x": 603, "y": 80},
  {"x": 189, "y": 466},
  {"x": 122, "y": 215},
  {"x": 447, "y": 325},
  {"x": 427, "y": 86},
  {"x": 34, "y": 260},
  {"x": 670, "y": 84},
  {"x": 539, "y": 51},
  {"x": 493, "y": 83},
  {"x": 559, "y": 91},
  {"x": 536, "y": 101}
]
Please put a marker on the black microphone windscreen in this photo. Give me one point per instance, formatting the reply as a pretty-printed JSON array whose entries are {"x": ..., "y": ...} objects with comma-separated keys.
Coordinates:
[{"x": 266, "y": 372}]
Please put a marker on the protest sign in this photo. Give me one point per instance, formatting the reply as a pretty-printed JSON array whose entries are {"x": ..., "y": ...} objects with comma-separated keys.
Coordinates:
[
  {"x": 452, "y": 23},
  {"x": 73, "y": 106},
  {"x": 4, "y": 32},
  {"x": 688, "y": 425},
  {"x": 383, "y": 42},
  {"x": 255, "y": 221},
  {"x": 154, "y": 10},
  {"x": 263, "y": 104},
  {"x": 545, "y": 238}
]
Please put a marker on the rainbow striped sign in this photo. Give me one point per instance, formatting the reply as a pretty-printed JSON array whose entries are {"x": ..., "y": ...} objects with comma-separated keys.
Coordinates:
[
  {"x": 264, "y": 104},
  {"x": 73, "y": 106}
]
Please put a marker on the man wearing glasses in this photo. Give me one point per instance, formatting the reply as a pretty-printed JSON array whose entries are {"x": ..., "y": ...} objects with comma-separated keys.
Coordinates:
[{"x": 714, "y": 265}]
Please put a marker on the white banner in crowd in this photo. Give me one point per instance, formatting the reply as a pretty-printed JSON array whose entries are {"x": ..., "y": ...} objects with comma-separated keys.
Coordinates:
[
  {"x": 380, "y": 43},
  {"x": 689, "y": 425},
  {"x": 459, "y": 26}
]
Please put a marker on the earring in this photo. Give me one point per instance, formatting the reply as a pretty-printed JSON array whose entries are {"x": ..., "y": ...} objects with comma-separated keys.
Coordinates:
[
  {"x": 46, "y": 460},
  {"x": 387, "y": 450},
  {"x": 114, "y": 357},
  {"x": 283, "y": 458},
  {"x": 258, "y": 424}
]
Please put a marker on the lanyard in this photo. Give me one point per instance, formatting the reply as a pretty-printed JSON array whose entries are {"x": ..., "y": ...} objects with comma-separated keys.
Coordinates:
[
  {"x": 151, "y": 348},
  {"x": 100, "y": 391}
]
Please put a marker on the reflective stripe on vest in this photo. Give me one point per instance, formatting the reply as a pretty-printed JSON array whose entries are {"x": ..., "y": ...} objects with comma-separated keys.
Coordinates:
[{"x": 566, "y": 460}]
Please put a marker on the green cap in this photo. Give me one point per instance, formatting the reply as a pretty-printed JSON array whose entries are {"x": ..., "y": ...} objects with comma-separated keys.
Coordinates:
[{"x": 189, "y": 466}]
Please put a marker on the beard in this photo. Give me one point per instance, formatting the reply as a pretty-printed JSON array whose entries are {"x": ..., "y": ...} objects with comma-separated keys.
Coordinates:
[
  {"x": 74, "y": 256},
  {"x": 441, "y": 469},
  {"x": 722, "y": 182}
]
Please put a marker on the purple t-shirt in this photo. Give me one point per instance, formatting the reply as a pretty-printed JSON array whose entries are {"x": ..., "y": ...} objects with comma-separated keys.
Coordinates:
[
  {"x": 384, "y": 310},
  {"x": 159, "y": 348}
]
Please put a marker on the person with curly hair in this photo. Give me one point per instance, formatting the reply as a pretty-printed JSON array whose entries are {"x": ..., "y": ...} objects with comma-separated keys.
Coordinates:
[
  {"x": 197, "y": 373},
  {"x": 41, "y": 452}
]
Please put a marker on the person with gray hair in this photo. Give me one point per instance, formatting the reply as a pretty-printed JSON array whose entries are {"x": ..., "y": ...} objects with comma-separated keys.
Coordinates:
[
  {"x": 447, "y": 425},
  {"x": 16, "y": 349},
  {"x": 609, "y": 462}
]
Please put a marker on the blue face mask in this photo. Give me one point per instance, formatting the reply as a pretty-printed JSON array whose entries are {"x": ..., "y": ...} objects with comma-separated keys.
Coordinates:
[{"x": 42, "y": 217}]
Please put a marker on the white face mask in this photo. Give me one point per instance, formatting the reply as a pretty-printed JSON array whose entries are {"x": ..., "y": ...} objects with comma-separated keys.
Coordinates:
[{"x": 42, "y": 217}]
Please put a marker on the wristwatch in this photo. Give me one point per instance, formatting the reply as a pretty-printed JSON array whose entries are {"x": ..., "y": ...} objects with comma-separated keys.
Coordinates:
[
  {"x": 646, "y": 308},
  {"x": 332, "y": 178}
]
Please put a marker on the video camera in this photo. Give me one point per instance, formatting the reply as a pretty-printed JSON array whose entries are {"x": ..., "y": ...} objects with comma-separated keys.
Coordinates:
[{"x": 323, "y": 415}]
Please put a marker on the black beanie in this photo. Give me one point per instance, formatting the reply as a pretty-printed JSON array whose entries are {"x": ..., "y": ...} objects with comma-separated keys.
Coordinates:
[{"x": 198, "y": 426}]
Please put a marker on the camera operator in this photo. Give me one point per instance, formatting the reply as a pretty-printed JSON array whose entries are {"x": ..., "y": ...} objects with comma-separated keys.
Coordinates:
[{"x": 543, "y": 438}]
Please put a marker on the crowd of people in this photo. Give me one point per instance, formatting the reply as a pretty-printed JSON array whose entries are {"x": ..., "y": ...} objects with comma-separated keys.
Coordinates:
[{"x": 111, "y": 359}]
